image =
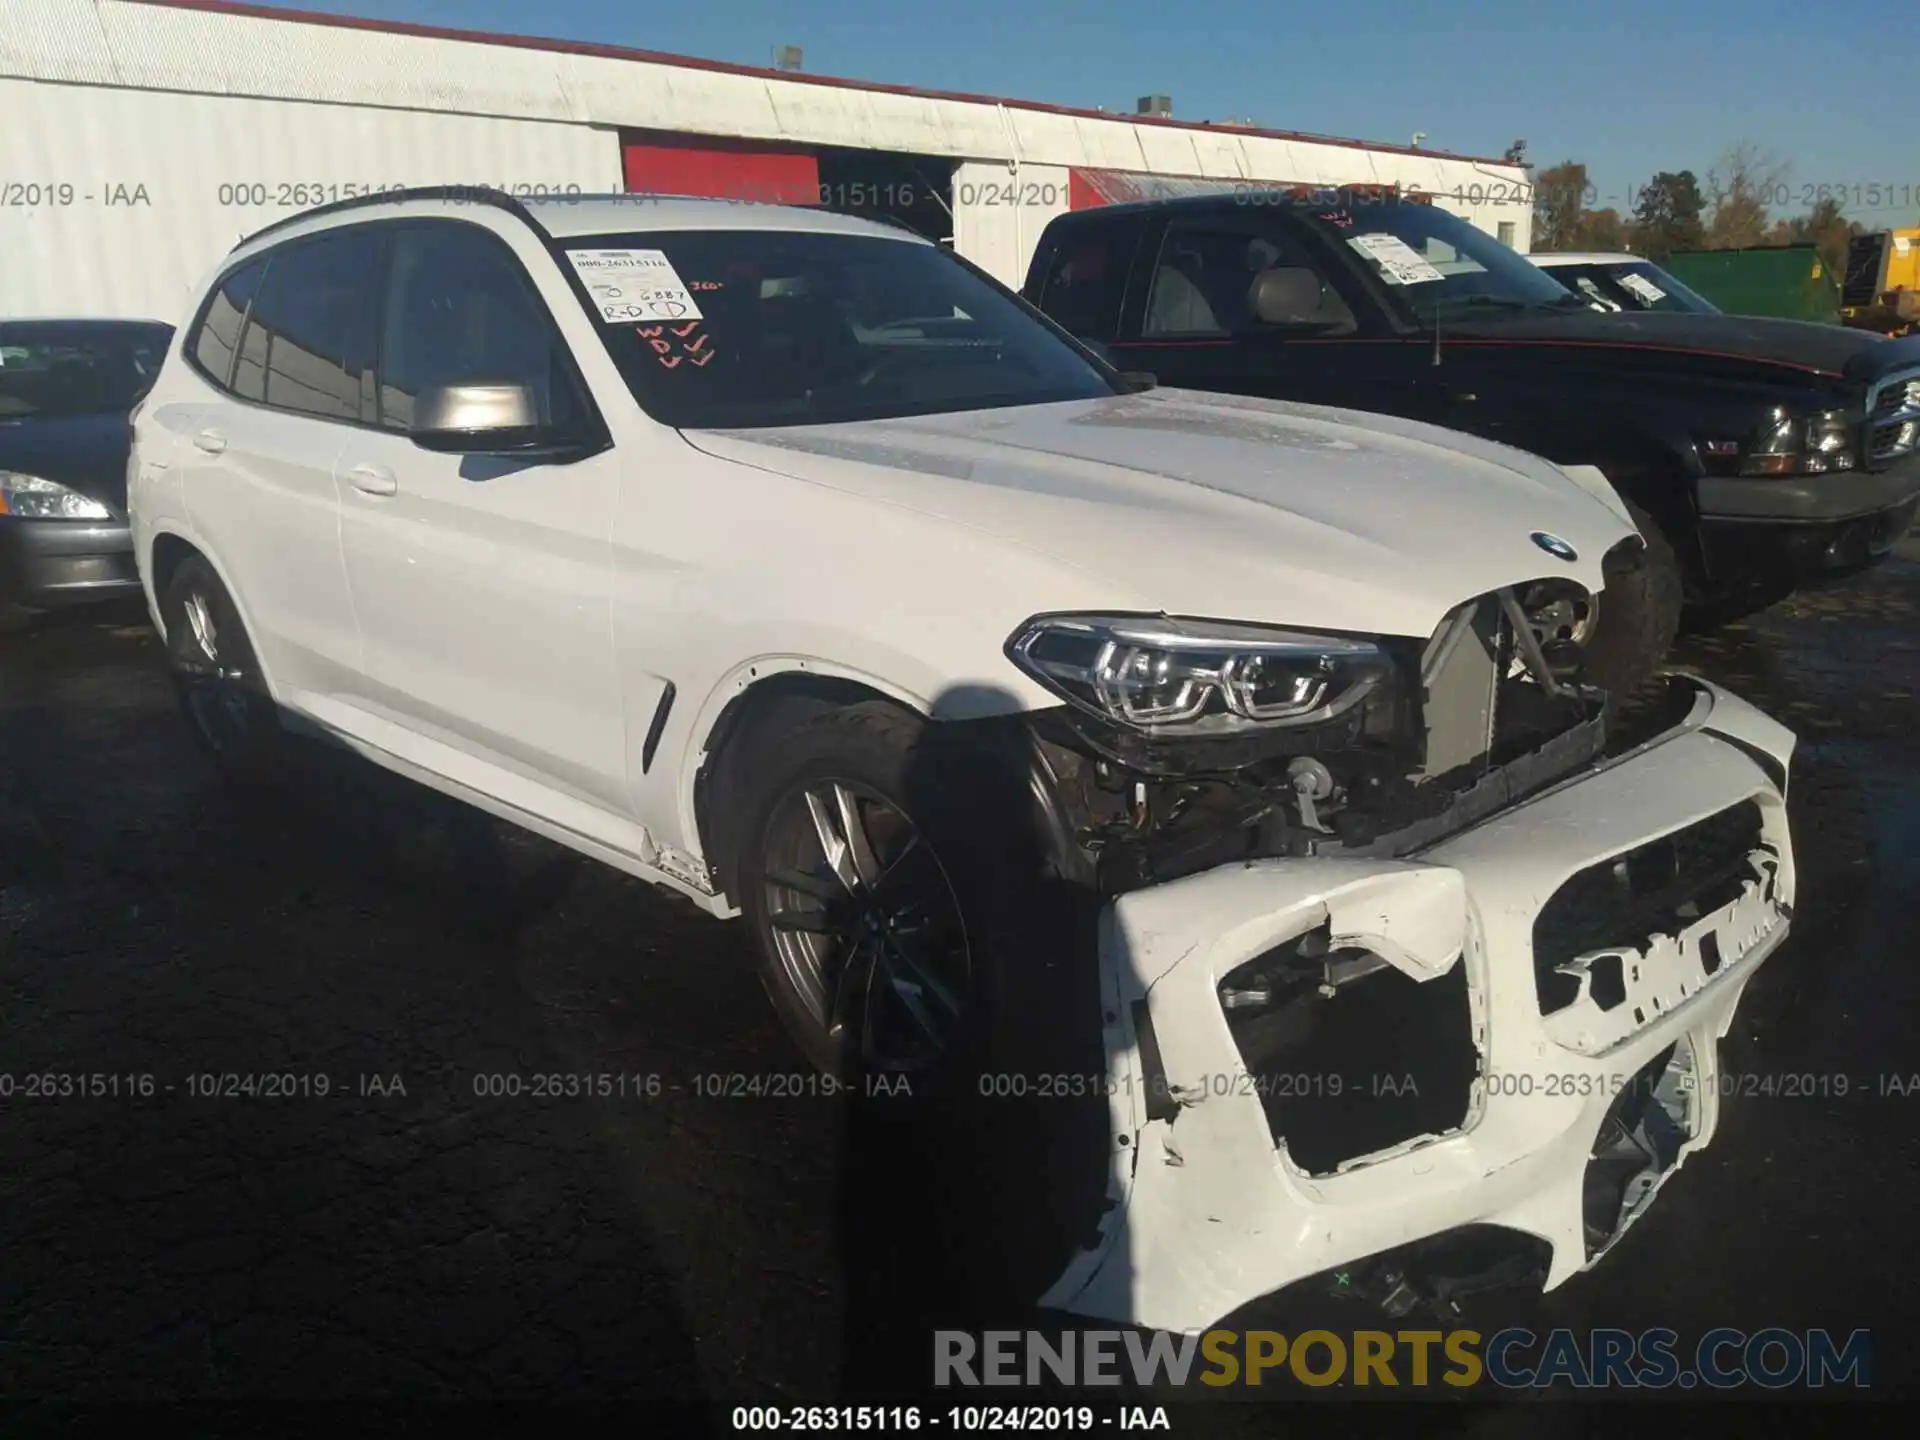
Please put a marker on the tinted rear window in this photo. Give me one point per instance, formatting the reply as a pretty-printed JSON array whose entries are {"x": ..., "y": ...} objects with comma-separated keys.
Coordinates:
[
  {"x": 77, "y": 370},
  {"x": 309, "y": 345},
  {"x": 1085, "y": 279},
  {"x": 218, "y": 336}
]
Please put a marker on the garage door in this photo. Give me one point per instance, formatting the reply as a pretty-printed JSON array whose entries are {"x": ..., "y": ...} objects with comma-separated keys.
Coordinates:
[{"x": 721, "y": 171}]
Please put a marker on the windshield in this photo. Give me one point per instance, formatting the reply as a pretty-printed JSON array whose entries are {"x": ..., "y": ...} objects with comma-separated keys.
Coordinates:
[
  {"x": 732, "y": 329},
  {"x": 1434, "y": 263},
  {"x": 1630, "y": 285},
  {"x": 51, "y": 371}
]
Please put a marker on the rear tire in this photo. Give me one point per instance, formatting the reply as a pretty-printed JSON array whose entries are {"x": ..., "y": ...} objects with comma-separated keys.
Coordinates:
[
  {"x": 1639, "y": 618},
  {"x": 216, "y": 676}
]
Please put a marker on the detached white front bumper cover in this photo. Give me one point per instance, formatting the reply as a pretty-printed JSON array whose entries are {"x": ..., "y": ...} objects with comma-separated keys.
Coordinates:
[{"x": 1209, "y": 1213}]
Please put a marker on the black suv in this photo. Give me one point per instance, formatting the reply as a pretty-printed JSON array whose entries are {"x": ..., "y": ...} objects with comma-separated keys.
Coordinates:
[{"x": 1756, "y": 454}]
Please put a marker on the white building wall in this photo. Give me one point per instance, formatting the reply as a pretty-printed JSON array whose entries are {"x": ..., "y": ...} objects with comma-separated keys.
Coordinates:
[
  {"x": 183, "y": 101},
  {"x": 999, "y": 211},
  {"x": 140, "y": 192}
]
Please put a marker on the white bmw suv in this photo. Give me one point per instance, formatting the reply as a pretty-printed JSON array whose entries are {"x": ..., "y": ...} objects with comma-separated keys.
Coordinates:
[{"x": 1226, "y": 759}]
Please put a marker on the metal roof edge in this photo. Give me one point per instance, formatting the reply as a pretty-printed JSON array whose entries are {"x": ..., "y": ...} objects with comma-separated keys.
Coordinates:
[{"x": 723, "y": 67}]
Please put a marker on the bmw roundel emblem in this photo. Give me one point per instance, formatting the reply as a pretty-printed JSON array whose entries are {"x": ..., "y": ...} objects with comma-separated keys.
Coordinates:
[{"x": 1554, "y": 546}]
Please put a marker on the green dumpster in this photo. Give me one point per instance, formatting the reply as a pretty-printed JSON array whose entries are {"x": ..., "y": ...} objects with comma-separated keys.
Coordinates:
[{"x": 1790, "y": 281}]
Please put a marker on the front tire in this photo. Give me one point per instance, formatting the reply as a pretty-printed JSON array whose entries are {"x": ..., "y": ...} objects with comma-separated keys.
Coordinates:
[
  {"x": 217, "y": 679},
  {"x": 1639, "y": 617},
  {"x": 1010, "y": 1106},
  {"x": 887, "y": 875},
  {"x": 907, "y": 920}
]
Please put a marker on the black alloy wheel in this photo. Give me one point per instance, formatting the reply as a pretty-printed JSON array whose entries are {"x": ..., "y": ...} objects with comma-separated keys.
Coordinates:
[{"x": 866, "y": 928}]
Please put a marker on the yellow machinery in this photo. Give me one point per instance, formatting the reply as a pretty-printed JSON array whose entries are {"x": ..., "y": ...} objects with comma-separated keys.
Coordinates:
[{"x": 1881, "y": 290}]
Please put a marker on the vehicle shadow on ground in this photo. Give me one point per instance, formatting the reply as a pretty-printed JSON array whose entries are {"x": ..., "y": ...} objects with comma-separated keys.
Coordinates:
[
  {"x": 951, "y": 1212},
  {"x": 958, "y": 1211},
  {"x": 491, "y": 879},
  {"x": 285, "y": 1182}
]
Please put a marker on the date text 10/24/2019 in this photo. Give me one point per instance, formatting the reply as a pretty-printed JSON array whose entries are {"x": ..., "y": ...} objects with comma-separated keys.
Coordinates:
[{"x": 899, "y": 1419}]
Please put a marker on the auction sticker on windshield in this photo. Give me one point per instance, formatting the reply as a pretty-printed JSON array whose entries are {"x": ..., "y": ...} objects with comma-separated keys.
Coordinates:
[
  {"x": 1399, "y": 262},
  {"x": 1642, "y": 287},
  {"x": 629, "y": 285}
]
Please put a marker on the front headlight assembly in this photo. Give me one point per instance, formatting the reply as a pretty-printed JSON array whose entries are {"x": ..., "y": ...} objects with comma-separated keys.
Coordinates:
[
  {"x": 31, "y": 498},
  {"x": 1163, "y": 675},
  {"x": 1790, "y": 444}
]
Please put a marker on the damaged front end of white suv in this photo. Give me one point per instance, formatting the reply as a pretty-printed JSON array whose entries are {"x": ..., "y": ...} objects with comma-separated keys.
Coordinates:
[
  {"x": 1404, "y": 932},
  {"x": 1444, "y": 963}
]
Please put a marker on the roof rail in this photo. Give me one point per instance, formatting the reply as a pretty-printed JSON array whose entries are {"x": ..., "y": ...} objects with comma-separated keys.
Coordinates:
[
  {"x": 882, "y": 218},
  {"x": 447, "y": 194}
]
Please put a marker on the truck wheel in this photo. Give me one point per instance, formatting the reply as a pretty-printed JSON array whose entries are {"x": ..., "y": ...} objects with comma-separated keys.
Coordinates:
[
  {"x": 217, "y": 677},
  {"x": 1639, "y": 615}
]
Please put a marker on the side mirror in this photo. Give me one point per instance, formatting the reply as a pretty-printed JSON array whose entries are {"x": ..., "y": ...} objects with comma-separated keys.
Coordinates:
[
  {"x": 1105, "y": 355},
  {"x": 1134, "y": 380},
  {"x": 477, "y": 419}
]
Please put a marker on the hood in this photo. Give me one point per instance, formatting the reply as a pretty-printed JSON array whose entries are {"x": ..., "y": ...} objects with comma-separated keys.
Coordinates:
[
  {"x": 87, "y": 453},
  {"x": 1797, "y": 344},
  {"x": 1219, "y": 506}
]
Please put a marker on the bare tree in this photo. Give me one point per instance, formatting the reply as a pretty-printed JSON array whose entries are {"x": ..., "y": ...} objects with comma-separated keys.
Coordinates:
[
  {"x": 1742, "y": 185},
  {"x": 1559, "y": 199},
  {"x": 1603, "y": 230},
  {"x": 1825, "y": 227}
]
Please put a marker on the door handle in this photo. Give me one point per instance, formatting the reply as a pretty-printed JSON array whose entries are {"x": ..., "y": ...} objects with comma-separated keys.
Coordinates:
[
  {"x": 373, "y": 480},
  {"x": 211, "y": 441}
]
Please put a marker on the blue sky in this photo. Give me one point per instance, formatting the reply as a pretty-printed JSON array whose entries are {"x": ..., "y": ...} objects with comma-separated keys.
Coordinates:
[{"x": 1629, "y": 86}]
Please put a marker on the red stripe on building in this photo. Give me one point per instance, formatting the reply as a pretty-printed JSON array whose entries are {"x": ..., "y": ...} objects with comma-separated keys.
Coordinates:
[
  {"x": 719, "y": 169},
  {"x": 1082, "y": 193}
]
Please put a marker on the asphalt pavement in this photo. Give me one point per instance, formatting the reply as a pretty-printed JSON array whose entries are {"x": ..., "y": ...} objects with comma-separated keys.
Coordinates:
[{"x": 432, "y": 1227}]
